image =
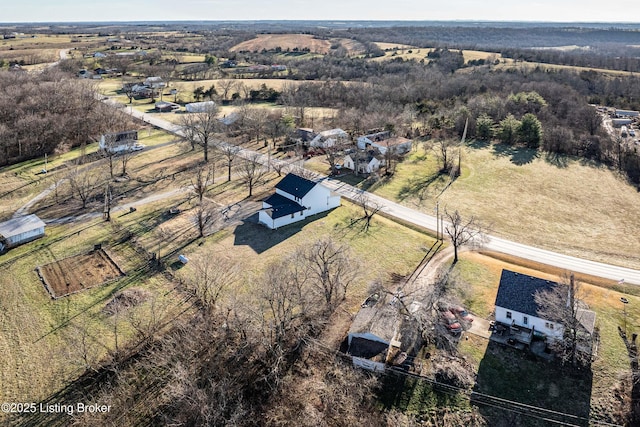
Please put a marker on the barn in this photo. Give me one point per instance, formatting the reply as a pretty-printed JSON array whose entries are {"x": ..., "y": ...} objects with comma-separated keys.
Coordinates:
[{"x": 20, "y": 230}]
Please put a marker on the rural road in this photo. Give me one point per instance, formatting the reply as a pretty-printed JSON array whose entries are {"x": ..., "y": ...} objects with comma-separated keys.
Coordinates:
[{"x": 412, "y": 216}]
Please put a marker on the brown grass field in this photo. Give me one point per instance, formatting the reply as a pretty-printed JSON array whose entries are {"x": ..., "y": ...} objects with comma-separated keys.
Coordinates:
[
  {"x": 75, "y": 274},
  {"x": 561, "y": 204},
  {"x": 285, "y": 41}
]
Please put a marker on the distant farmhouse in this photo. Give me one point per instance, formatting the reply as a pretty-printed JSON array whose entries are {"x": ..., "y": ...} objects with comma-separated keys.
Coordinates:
[
  {"x": 362, "y": 161},
  {"x": 119, "y": 141},
  {"x": 20, "y": 230},
  {"x": 295, "y": 199},
  {"x": 329, "y": 138},
  {"x": 383, "y": 141}
]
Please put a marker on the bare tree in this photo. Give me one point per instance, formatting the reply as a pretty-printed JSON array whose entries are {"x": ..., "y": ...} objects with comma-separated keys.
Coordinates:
[
  {"x": 83, "y": 183},
  {"x": 199, "y": 128},
  {"x": 462, "y": 231},
  {"x": 125, "y": 156},
  {"x": 444, "y": 154},
  {"x": 333, "y": 154},
  {"x": 252, "y": 172},
  {"x": 369, "y": 207},
  {"x": 256, "y": 120},
  {"x": 201, "y": 180},
  {"x": 203, "y": 216},
  {"x": 226, "y": 86},
  {"x": 207, "y": 278},
  {"x": 331, "y": 270},
  {"x": 564, "y": 304},
  {"x": 229, "y": 152}
]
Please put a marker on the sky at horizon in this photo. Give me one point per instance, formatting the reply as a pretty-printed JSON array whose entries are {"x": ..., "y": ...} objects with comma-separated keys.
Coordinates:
[{"x": 20, "y": 11}]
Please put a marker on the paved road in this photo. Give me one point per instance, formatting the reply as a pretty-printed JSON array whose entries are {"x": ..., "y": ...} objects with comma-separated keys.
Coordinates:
[{"x": 409, "y": 215}]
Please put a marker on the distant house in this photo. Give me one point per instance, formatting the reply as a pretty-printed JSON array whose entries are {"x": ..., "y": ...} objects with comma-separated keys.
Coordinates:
[
  {"x": 626, "y": 113},
  {"x": 85, "y": 74},
  {"x": 329, "y": 138},
  {"x": 165, "y": 106},
  {"x": 362, "y": 162},
  {"x": 621, "y": 122},
  {"x": 305, "y": 135},
  {"x": 154, "y": 82},
  {"x": 99, "y": 55},
  {"x": 199, "y": 107},
  {"x": 295, "y": 199},
  {"x": 20, "y": 230},
  {"x": 383, "y": 141},
  {"x": 119, "y": 141}
]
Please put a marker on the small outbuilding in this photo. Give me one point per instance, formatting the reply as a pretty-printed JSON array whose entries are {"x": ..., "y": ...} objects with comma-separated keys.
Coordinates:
[
  {"x": 199, "y": 107},
  {"x": 20, "y": 230}
]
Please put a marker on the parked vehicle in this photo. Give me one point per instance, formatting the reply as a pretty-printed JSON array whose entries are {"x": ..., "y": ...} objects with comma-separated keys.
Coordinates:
[
  {"x": 450, "y": 322},
  {"x": 461, "y": 314}
]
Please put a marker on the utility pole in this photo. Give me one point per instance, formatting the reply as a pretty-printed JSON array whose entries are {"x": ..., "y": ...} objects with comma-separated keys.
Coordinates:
[
  {"x": 437, "y": 220},
  {"x": 106, "y": 213}
]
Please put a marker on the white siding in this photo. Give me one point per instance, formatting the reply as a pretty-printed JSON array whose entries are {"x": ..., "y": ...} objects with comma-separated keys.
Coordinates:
[
  {"x": 319, "y": 199},
  {"x": 536, "y": 323},
  {"x": 26, "y": 236}
]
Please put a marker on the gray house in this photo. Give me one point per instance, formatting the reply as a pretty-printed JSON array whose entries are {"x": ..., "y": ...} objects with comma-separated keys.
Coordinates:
[{"x": 20, "y": 230}]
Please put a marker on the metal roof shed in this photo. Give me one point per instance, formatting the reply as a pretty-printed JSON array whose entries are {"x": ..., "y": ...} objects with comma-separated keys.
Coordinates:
[{"x": 20, "y": 230}]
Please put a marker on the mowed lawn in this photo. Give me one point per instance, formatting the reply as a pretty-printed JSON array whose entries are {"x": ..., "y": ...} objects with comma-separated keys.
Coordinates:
[
  {"x": 482, "y": 273},
  {"x": 560, "y": 204}
]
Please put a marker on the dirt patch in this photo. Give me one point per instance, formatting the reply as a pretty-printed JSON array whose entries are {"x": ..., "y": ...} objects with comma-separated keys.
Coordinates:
[
  {"x": 126, "y": 299},
  {"x": 77, "y": 273}
]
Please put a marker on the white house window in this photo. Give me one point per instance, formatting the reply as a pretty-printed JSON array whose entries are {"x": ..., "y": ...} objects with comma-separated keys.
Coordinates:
[
  {"x": 508, "y": 315},
  {"x": 525, "y": 320},
  {"x": 293, "y": 214},
  {"x": 548, "y": 325}
]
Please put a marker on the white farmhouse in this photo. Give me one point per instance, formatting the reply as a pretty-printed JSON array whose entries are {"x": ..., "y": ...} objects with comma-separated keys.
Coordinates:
[
  {"x": 295, "y": 199},
  {"x": 361, "y": 162},
  {"x": 155, "y": 82},
  {"x": 20, "y": 230},
  {"x": 329, "y": 138},
  {"x": 383, "y": 141},
  {"x": 119, "y": 141},
  {"x": 516, "y": 305}
]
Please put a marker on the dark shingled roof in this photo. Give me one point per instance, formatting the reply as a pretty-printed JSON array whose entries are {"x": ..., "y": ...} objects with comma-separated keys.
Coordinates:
[
  {"x": 517, "y": 292},
  {"x": 281, "y": 206},
  {"x": 295, "y": 185}
]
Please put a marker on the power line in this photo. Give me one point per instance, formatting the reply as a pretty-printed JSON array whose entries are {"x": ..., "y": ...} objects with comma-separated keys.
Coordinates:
[{"x": 537, "y": 412}]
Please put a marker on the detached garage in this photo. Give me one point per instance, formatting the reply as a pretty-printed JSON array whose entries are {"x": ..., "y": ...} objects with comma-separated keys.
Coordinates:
[{"x": 20, "y": 230}]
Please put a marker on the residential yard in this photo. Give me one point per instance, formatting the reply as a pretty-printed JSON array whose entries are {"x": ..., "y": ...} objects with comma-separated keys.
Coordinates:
[
  {"x": 43, "y": 340},
  {"x": 509, "y": 374},
  {"x": 561, "y": 203}
]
